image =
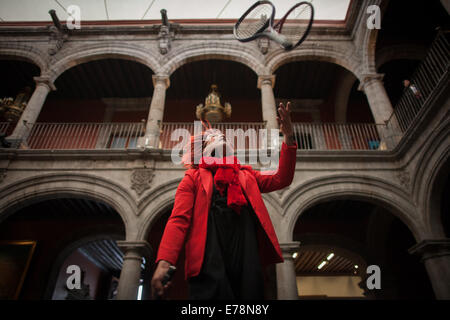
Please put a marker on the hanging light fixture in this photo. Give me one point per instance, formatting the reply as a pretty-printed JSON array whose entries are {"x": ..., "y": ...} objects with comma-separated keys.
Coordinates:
[{"x": 213, "y": 111}]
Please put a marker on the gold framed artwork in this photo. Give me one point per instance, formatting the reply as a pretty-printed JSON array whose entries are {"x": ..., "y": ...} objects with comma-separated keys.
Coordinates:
[{"x": 15, "y": 258}]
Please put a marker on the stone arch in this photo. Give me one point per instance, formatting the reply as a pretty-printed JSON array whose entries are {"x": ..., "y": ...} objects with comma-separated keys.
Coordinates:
[
  {"x": 214, "y": 50},
  {"x": 314, "y": 53},
  {"x": 27, "y": 191},
  {"x": 369, "y": 51},
  {"x": 26, "y": 53},
  {"x": 400, "y": 52},
  {"x": 163, "y": 197},
  {"x": 336, "y": 187},
  {"x": 154, "y": 205},
  {"x": 342, "y": 246},
  {"x": 429, "y": 175},
  {"x": 70, "y": 57}
]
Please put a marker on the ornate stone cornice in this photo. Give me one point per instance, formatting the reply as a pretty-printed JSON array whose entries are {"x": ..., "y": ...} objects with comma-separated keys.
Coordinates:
[
  {"x": 266, "y": 79},
  {"x": 428, "y": 249}
]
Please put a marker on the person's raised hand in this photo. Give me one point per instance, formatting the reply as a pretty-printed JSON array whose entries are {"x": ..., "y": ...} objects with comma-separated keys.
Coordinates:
[{"x": 285, "y": 123}]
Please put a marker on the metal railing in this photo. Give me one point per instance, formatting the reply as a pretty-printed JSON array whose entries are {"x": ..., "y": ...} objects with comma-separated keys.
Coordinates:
[
  {"x": 309, "y": 136},
  {"x": 85, "y": 135},
  {"x": 422, "y": 83},
  {"x": 167, "y": 128},
  {"x": 336, "y": 136}
]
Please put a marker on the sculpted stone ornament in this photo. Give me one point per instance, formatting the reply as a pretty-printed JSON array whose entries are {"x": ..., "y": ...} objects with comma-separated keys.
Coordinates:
[
  {"x": 164, "y": 35},
  {"x": 141, "y": 180},
  {"x": 164, "y": 40},
  {"x": 404, "y": 178},
  {"x": 263, "y": 44},
  {"x": 56, "y": 40}
]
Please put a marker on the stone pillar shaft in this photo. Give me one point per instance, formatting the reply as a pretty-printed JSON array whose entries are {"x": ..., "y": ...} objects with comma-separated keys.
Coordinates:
[
  {"x": 381, "y": 108},
  {"x": 33, "y": 108},
  {"x": 269, "y": 113},
  {"x": 286, "y": 275},
  {"x": 156, "y": 112},
  {"x": 130, "y": 274},
  {"x": 435, "y": 254},
  {"x": 379, "y": 102}
]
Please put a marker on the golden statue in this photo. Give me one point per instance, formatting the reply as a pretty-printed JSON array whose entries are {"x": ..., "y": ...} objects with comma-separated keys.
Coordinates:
[
  {"x": 213, "y": 111},
  {"x": 11, "y": 109}
]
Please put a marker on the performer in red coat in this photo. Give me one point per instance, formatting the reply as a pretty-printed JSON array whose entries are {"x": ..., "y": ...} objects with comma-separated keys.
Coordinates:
[{"x": 220, "y": 216}]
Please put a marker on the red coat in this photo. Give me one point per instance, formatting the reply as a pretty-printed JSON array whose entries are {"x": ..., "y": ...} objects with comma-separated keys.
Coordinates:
[{"x": 190, "y": 212}]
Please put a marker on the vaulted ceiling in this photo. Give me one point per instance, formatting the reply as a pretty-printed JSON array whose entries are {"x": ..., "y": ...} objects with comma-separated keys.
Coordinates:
[
  {"x": 307, "y": 79},
  {"x": 105, "y": 78},
  {"x": 308, "y": 261}
]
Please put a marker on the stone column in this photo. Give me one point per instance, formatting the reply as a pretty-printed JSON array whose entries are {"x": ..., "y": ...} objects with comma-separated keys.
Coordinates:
[
  {"x": 34, "y": 106},
  {"x": 156, "y": 112},
  {"x": 435, "y": 254},
  {"x": 381, "y": 107},
  {"x": 131, "y": 268},
  {"x": 286, "y": 276},
  {"x": 269, "y": 109}
]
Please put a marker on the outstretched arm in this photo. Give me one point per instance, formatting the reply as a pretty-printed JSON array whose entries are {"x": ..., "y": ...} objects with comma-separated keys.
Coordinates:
[{"x": 286, "y": 167}]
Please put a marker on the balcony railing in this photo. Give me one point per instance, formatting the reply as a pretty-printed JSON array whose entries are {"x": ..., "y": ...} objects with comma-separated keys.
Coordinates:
[
  {"x": 423, "y": 82},
  {"x": 168, "y": 128},
  {"x": 309, "y": 136},
  {"x": 85, "y": 135},
  {"x": 336, "y": 136}
]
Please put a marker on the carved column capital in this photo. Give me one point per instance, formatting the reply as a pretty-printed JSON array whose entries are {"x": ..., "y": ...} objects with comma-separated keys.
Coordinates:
[
  {"x": 367, "y": 79},
  {"x": 266, "y": 79},
  {"x": 289, "y": 248},
  {"x": 161, "y": 79},
  {"x": 428, "y": 249},
  {"x": 139, "y": 247},
  {"x": 45, "y": 80}
]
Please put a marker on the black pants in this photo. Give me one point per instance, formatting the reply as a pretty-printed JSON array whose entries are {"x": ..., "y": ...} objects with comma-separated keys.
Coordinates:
[{"x": 231, "y": 267}]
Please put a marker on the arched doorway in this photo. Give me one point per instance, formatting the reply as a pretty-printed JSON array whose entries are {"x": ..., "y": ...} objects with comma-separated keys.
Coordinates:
[
  {"x": 360, "y": 234},
  {"x": 315, "y": 89},
  {"x": 67, "y": 231},
  {"x": 99, "y": 104}
]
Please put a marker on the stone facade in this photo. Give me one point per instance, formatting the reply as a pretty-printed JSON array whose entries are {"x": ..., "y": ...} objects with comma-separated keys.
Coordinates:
[{"x": 400, "y": 179}]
